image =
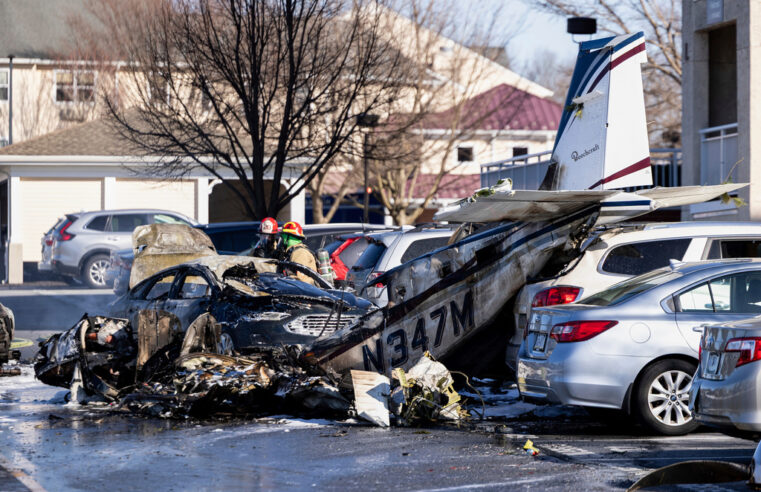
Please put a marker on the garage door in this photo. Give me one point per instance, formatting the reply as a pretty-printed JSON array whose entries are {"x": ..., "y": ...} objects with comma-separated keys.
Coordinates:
[
  {"x": 43, "y": 201},
  {"x": 177, "y": 196}
]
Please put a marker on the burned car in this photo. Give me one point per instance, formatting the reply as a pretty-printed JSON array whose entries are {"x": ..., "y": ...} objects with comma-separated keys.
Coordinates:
[
  {"x": 251, "y": 299},
  {"x": 7, "y": 324}
]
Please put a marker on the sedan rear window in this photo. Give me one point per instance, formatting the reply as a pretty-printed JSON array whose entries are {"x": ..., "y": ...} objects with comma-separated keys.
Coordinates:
[
  {"x": 629, "y": 288},
  {"x": 370, "y": 257},
  {"x": 638, "y": 258}
]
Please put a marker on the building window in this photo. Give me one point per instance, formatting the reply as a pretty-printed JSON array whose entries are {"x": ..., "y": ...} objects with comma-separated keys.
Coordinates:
[
  {"x": 4, "y": 87},
  {"x": 519, "y": 151},
  {"x": 464, "y": 154},
  {"x": 74, "y": 86}
]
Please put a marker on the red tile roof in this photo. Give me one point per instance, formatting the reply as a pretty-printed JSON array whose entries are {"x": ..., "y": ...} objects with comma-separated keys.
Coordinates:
[
  {"x": 500, "y": 108},
  {"x": 452, "y": 185}
]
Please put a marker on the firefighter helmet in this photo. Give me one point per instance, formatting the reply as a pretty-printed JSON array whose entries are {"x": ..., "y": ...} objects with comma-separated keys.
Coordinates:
[
  {"x": 294, "y": 229},
  {"x": 268, "y": 226}
]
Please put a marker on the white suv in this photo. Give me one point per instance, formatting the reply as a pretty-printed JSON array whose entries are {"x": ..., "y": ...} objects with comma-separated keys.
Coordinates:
[
  {"x": 618, "y": 253},
  {"x": 389, "y": 250}
]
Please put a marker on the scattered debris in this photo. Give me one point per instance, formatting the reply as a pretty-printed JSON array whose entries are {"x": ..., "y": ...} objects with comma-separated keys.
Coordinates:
[
  {"x": 159, "y": 371},
  {"x": 425, "y": 394},
  {"x": 9, "y": 371},
  {"x": 7, "y": 325},
  {"x": 371, "y": 392},
  {"x": 530, "y": 449}
]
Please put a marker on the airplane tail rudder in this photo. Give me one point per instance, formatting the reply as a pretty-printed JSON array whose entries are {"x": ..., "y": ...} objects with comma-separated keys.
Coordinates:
[{"x": 602, "y": 140}]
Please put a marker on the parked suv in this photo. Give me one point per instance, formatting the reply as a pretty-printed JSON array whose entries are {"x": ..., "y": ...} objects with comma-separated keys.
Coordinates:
[
  {"x": 80, "y": 244},
  {"x": 391, "y": 249},
  {"x": 618, "y": 253}
]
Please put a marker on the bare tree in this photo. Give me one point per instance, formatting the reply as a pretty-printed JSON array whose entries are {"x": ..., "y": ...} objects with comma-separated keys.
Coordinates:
[
  {"x": 661, "y": 21},
  {"x": 546, "y": 68},
  {"x": 247, "y": 90},
  {"x": 440, "y": 84}
]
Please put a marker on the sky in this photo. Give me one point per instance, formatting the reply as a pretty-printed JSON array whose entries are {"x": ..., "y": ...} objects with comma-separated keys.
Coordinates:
[
  {"x": 530, "y": 30},
  {"x": 537, "y": 32}
]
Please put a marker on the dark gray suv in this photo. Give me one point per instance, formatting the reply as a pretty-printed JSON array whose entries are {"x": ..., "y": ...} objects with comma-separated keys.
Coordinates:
[{"x": 80, "y": 244}]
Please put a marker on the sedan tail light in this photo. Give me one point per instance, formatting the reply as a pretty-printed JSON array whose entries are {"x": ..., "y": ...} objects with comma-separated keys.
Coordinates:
[
  {"x": 749, "y": 348},
  {"x": 48, "y": 241},
  {"x": 555, "y": 295},
  {"x": 63, "y": 235},
  {"x": 578, "y": 331}
]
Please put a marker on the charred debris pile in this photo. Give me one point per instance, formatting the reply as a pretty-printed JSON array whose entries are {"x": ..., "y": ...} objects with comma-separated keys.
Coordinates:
[{"x": 102, "y": 361}]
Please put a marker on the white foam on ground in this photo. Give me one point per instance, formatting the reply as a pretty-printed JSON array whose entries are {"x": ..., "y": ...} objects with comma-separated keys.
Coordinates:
[{"x": 504, "y": 402}]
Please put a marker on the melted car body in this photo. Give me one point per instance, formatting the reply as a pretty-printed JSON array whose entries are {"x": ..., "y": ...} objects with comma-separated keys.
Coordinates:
[{"x": 253, "y": 302}]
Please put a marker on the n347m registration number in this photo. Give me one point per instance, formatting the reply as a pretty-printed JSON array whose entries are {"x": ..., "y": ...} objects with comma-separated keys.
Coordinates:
[{"x": 437, "y": 329}]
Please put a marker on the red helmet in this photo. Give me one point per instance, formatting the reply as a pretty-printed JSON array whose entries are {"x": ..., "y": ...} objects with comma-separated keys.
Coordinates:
[
  {"x": 268, "y": 226},
  {"x": 294, "y": 229}
]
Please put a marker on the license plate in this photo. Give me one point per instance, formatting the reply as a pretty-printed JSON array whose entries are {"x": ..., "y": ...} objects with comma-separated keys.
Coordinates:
[
  {"x": 713, "y": 363},
  {"x": 541, "y": 341}
]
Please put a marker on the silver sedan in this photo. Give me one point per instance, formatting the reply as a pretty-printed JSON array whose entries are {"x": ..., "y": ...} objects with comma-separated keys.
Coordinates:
[
  {"x": 634, "y": 346},
  {"x": 726, "y": 391}
]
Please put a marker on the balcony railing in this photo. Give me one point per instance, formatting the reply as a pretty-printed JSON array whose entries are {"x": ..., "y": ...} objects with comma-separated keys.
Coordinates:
[
  {"x": 527, "y": 171},
  {"x": 718, "y": 154}
]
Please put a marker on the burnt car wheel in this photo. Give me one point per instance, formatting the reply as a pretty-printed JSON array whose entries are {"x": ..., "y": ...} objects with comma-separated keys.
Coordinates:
[
  {"x": 662, "y": 396},
  {"x": 94, "y": 271}
]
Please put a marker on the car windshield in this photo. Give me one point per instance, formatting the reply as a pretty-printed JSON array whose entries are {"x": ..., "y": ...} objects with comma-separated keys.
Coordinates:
[
  {"x": 627, "y": 289},
  {"x": 370, "y": 256}
]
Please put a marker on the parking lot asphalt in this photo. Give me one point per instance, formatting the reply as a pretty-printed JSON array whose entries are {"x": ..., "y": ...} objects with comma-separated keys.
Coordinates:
[{"x": 50, "y": 445}]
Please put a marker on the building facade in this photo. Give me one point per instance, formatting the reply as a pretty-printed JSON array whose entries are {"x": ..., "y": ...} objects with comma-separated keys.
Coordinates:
[{"x": 721, "y": 110}]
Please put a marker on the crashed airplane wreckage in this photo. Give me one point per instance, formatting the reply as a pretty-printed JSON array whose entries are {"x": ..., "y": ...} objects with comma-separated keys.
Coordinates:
[
  {"x": 437, "y": 303},
  {"x": 99, "y": 360},
  {"x": 440, "y": 300}
]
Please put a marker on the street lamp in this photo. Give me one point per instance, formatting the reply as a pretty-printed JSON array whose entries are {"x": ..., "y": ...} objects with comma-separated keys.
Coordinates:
[
  {"x": 581, "y": 25},
  {"x": 366, "y": 120}
]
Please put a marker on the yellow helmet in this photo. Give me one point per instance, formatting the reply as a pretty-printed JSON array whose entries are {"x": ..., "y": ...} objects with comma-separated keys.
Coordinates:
[{"x": 294, "y": 229}]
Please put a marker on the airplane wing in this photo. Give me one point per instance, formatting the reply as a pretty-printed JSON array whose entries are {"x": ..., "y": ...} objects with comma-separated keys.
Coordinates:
[
  {"x": 534, "y": 206},
  {"x": 687, "y": 195},
  {"x": 524, "y": 205}
]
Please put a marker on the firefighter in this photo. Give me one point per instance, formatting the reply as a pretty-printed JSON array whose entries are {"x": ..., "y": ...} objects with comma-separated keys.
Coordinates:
[
  {"x": 296, "y": 251},
  {"x": 269, "y": 245}
]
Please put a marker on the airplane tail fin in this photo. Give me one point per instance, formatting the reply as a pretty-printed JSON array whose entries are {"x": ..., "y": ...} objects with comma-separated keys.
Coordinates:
[{"x": 602, "y": 138}]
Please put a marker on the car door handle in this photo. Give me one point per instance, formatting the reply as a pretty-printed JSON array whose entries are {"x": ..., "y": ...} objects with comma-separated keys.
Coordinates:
[
  {"x": 697, "y": 329},
  {"x": 112, "y": 238}
]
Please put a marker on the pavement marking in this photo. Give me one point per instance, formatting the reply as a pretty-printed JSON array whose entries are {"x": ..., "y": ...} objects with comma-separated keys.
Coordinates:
[
  {"x": 18, "y": 343},
  {"x": 495, "y": 484},
  {"x": 568, "y": 449},
  {"x": 56, "y": 292},
  {"x": 22, "y": 477}
]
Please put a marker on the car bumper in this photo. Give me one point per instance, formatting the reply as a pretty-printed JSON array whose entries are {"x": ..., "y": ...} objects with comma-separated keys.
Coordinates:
[
  {"x": 574, "y": 375},
  {"x": 63, "y": 269},
  {"x": 734, "y": 402},
  {"x": 44, "y": 266}
]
